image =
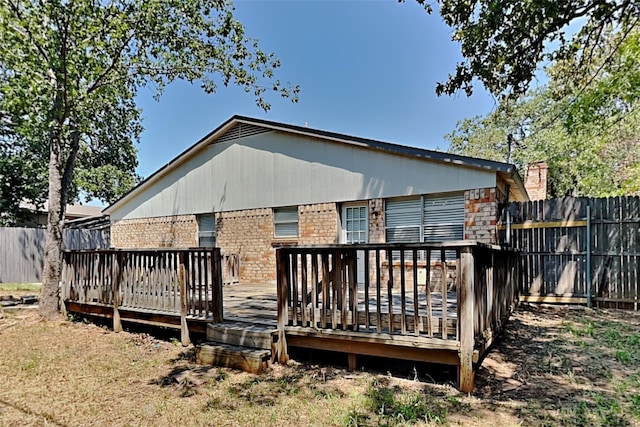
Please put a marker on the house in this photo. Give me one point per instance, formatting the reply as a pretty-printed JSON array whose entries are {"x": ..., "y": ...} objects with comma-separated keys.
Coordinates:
[
  {"x": 251, "y": 184},
  {"x": 36, "y": 216}
]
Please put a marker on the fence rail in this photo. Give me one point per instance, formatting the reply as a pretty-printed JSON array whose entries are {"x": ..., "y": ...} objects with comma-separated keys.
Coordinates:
[
  {"x": 410, "y": 293},
  {"x": 183, "y": 282},
  {"x": 578, "y": 249}
]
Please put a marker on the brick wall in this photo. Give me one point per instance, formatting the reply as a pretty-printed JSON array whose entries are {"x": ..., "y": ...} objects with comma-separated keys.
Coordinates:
[
  {"x": 318, "y": 224},
  {"x": 250, "y": 234},
  {"x": 481, "y": 214},
  {"x": 179, "y": 231},
  {"x": 376, "y": 221}
]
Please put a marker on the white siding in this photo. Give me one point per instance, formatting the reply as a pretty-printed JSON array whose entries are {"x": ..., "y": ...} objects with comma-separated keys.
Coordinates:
[{"x": 279, "y": 169}]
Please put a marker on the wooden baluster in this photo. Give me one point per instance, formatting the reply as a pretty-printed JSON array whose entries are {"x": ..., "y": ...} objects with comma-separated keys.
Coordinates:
[
  {"x": 403, "y": 296},
  {"x": 314, "y": 289},
  {"x": 303, "y": 278},
  {"x": 390, "y": 289},
  {"x": 344, "y": 289},
  {"x": 116, "y": 283},
  {"x": 326, "y": 297},
  {"x": 294, "y": 288},
  {"x": 443, "y": 289},
  {"x": 378, "y": 294},
  {"x": 428, "y": 295},
  {"x": 182, "y": 279},
  {"x": 417, "y": 320},
  {"x": 353, "y": 287},
  {"x": 337, "y": 284},
  {"x": 367, "y": 324}
]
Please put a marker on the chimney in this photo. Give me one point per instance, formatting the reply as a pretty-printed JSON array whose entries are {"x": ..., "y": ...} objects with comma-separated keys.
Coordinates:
[{"x": 535, "y": 181}]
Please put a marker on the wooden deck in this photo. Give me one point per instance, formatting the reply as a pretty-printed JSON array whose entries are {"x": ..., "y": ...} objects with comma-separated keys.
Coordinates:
[
  {"x": 411, "y": 302},
  {"x": 254, "y": 304}
]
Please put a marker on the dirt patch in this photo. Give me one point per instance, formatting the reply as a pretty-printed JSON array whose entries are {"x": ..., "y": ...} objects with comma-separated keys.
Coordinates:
[{"x": 552, "y": 366}]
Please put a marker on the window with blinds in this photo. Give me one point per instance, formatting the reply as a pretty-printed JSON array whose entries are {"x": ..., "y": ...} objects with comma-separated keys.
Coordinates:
[
  {"x": 207, "y": 230},
  {"x": 285, "y": 221},
  {"x": 431, "y": 218}
]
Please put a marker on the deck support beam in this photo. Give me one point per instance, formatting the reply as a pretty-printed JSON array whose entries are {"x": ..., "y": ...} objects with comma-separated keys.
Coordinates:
[
  {"x": 466, "y": 322},
  {"x": 354, "y": 361}
]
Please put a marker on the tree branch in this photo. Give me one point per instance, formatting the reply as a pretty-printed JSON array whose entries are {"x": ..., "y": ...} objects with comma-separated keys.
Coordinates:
[{"x": 32, "y": 39}]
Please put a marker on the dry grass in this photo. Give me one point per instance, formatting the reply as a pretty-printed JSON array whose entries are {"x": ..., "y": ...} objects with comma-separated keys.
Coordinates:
[{"x": 553, "y": 367}]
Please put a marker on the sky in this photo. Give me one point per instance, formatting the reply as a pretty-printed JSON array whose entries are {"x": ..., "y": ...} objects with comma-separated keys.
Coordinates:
[{"x": 365, "y": 68}]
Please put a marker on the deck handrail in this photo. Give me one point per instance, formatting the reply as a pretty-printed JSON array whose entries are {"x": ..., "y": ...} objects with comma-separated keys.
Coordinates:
[
  {"x": 460, "y": 291},
  {"x": 185, "y": 282}
]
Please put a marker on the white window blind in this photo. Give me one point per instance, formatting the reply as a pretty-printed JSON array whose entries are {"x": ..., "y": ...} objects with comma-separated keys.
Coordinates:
[
  {"x": 207, "y": 230},
  {"x": 403, "y": 220},
  {"x": 285, "y": 221},
  {"x": 430, "y": 218}
]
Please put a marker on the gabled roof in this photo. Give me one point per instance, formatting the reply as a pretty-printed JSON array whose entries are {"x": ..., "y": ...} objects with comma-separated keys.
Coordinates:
[{"x": 235, "y": 123}]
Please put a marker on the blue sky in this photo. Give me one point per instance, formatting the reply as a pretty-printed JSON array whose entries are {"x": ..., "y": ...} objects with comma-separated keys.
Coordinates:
[{"x": 366, "y": 68}]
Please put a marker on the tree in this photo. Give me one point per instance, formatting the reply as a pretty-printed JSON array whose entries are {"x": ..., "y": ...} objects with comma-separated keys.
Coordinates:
[
  {"x": 504, "y": 42},
  {"x": 70, "y": 70},
  {"x": 586, "y": 129}
]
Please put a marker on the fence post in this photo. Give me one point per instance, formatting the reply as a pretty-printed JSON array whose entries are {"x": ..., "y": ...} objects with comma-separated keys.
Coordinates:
[
  {"x": 588, "y": 266},
  {"x": 465, "y": 319},
  {"x": 184, "y": 327},
  {"x": 116, "y": 277},
  {"x": 282, "y": 271}
]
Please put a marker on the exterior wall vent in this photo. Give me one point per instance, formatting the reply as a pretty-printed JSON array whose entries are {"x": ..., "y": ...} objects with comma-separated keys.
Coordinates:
[{"x": 242, "y": 130}]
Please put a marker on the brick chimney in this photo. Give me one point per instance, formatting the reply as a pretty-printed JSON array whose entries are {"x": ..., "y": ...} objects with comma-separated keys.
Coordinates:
[{"x": 535, "y": 181}]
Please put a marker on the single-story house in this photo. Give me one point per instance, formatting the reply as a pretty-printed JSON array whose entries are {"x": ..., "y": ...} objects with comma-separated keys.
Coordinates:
[
  {"x": 36, "y": 216},
  {"x": 251, "y": 184}
]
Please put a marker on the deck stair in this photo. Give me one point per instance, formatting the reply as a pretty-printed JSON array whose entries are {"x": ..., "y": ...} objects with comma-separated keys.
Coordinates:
[{"x": 239, "y": 345}]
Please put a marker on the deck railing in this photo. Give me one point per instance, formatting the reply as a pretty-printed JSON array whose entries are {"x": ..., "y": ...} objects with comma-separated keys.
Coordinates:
[
  {"x": 184, "y": 282},
  {"x": 456, "y": 292}
]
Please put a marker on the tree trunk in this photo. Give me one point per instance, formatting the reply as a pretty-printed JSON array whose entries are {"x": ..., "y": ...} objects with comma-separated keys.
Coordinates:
[{"x": 49, "y": 303}]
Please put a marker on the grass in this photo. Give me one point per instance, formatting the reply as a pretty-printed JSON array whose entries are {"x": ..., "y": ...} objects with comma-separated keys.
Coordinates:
[
  {"x": 20, "y": 287},
  {"x": 551, "y": 367}
]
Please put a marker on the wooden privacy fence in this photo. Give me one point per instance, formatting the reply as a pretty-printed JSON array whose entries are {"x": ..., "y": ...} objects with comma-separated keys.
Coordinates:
[
  {"x": 577, "y": 250},
  {"x": 159, "y": 286},
  {"x": 433, "y": 302},
  {"x": 22, "y": 250}
]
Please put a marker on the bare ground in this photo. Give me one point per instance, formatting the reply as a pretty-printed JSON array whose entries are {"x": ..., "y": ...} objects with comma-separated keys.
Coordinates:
[{"x": 553, "y": 366}]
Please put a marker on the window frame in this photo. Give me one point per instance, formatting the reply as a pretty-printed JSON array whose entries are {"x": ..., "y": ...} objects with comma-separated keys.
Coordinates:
[
  {"x": 421, "y": 222},
  {"x": 206, "y": 234},
  {"x": 284, "y": 222}
]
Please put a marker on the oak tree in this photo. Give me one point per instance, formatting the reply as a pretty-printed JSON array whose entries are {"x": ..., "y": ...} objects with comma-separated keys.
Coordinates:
[{"x": 69, "y": 74}]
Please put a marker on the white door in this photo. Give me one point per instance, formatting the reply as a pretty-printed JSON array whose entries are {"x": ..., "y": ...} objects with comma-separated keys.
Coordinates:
[{"x": 355, "y": 229}]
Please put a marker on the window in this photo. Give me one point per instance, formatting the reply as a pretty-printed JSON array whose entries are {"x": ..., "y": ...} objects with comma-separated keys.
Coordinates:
[
  {"x": 403, "y": 219},
  {"x": 443, "y": 218},
  {"x": 355, "y": 227},
  {"x": 432, "y": 218},
  {"x": 285, "y": 221},
  {"x": 207, "y": 230}
]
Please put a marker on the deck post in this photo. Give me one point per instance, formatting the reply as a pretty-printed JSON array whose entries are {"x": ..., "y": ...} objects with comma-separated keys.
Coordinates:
[
  {"x": 282, "y": 271},
  {"x": 184, "y": 327},
  {"x": 116, "y": 277},
  {"x": 216, "y": 297},
  {"x": 466, "y": 320}
]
